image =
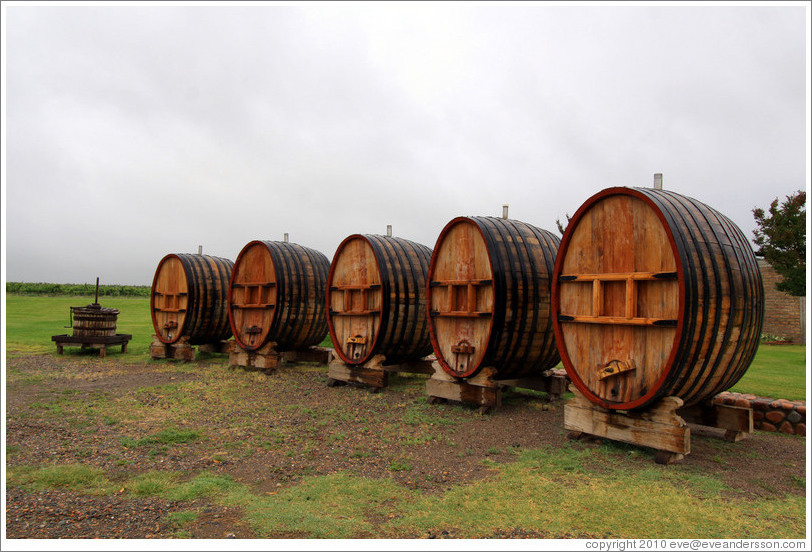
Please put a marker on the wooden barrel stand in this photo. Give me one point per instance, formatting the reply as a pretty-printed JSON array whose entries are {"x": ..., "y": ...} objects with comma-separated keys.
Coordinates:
[
  {"x": 374, "y": 373},
  {"x": 179, "y": 350},
  {"x": 268, "y": 358},
  {"x": 183, "y": 350},
  {"x": 485, "y": 391},
  {"x": 663, "y": 426}
]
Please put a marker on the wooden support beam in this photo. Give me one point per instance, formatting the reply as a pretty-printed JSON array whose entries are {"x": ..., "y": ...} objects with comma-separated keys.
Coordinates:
[
  {"x": 370, "y": 374},
  {"x": 180, "y": 350},
  {"x": 735, "y": 420},
  {"x": 320, "y": 355},
  {"x": 265, "y": 359},
  {"x": 480, "y": 390},
  {"x": 658, "y": 427}
]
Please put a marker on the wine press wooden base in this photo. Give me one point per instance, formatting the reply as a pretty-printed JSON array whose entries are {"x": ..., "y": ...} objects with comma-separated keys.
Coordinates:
[
  {"x": 663, "y": 427},
  {"x": 486, "y": 392},
  {"x": 98, "y": 342},
  {"x": 267, "y": 358},
  {"x": 374, "y": 373}
]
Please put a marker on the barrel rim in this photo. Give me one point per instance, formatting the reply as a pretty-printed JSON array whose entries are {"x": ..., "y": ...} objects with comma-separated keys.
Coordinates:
[
  {"x": 330, "y": 326},
  {"x": 654, "y": 389},
  {"x": 152, "y": 299},
  {"x": 432, "y": 333},
  {"x": 231, "y": 322}
]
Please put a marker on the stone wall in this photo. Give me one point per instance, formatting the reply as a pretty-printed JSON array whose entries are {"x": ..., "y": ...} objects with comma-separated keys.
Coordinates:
[
  {"x": 770, "y": 414},
  {"x": 784, "y": 314}
]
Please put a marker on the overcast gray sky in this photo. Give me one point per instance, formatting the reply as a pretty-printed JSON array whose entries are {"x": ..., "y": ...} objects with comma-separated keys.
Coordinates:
[{"x": 133, "y": 131}]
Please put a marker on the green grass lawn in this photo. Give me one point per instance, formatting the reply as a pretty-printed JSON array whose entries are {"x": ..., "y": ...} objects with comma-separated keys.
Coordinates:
[
  {"x": 778, "y": 371},
  {"x": 32, "y": 320}
]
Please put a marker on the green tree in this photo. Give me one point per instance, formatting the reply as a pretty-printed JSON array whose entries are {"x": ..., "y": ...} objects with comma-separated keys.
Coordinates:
[{"x": 781, "y": 237}]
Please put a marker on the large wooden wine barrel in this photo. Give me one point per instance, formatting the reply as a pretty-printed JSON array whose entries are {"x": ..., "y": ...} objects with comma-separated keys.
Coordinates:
[
  {"x": 376, "y": 298},
  {"x": 190, "y": 298},
  {"x": 654, "y": 294},
  {"x": 276, "y": 294},
  {"x": 489, "y": 297}
]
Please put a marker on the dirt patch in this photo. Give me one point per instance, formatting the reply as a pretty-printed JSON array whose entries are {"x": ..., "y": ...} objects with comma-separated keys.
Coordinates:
[{"x": 271, "y": 431}]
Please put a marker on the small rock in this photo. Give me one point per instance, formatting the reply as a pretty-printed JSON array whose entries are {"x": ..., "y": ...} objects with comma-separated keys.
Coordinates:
[
  {"x": 775, "y": 416},
  {"x": 786, "y": 427},
  {"x": 761, "y": 404},
  {"x": 231, "y": 536},
  {"x": 742, "y": 402},
  {"x": 793, "y": 417}
]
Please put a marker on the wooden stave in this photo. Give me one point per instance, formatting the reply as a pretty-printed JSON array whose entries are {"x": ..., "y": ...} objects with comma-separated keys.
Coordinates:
[
  {"x": 403, "y": 339},
  {"x": 88, "y": 321},
  {"x": 206, "y": 320},
  {"x": 677, "y": 379},
  {"x": 392, "y": 271},
  {"x": 688, "y": 381},
  {"x": 307, "y": 269},
  {"x": 509, "y": 358}
]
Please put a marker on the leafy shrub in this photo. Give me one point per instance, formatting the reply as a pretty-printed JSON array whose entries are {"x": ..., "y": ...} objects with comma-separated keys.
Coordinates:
[{"x": 43, "y": 288}]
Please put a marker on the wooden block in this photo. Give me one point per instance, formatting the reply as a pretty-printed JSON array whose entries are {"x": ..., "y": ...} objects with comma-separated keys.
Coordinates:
[
  {"x": 549, "y": 383},
  {"x": 157, "y": 348},
  {"x": 225, "y": 346},
  {"x": 666, "y": 458},
  {"x": 463, "y": 392},
  {"x": 371, "y": 376},
  {"x": 321, "y": 355},
  {"x": 731, "y": 418},
  {"x": 479, "y": 390},
  {"x": 180, "y": 350},
  {"x": 658, "y": 427},
  {"x": 238, "y": 357},
  {"x": 421, "y": 366},
  {"x": 266, "y": 358}
]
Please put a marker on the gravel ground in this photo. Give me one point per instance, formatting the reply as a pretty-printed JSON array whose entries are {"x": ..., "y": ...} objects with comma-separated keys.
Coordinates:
[{"x": 285, "y": 426}]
